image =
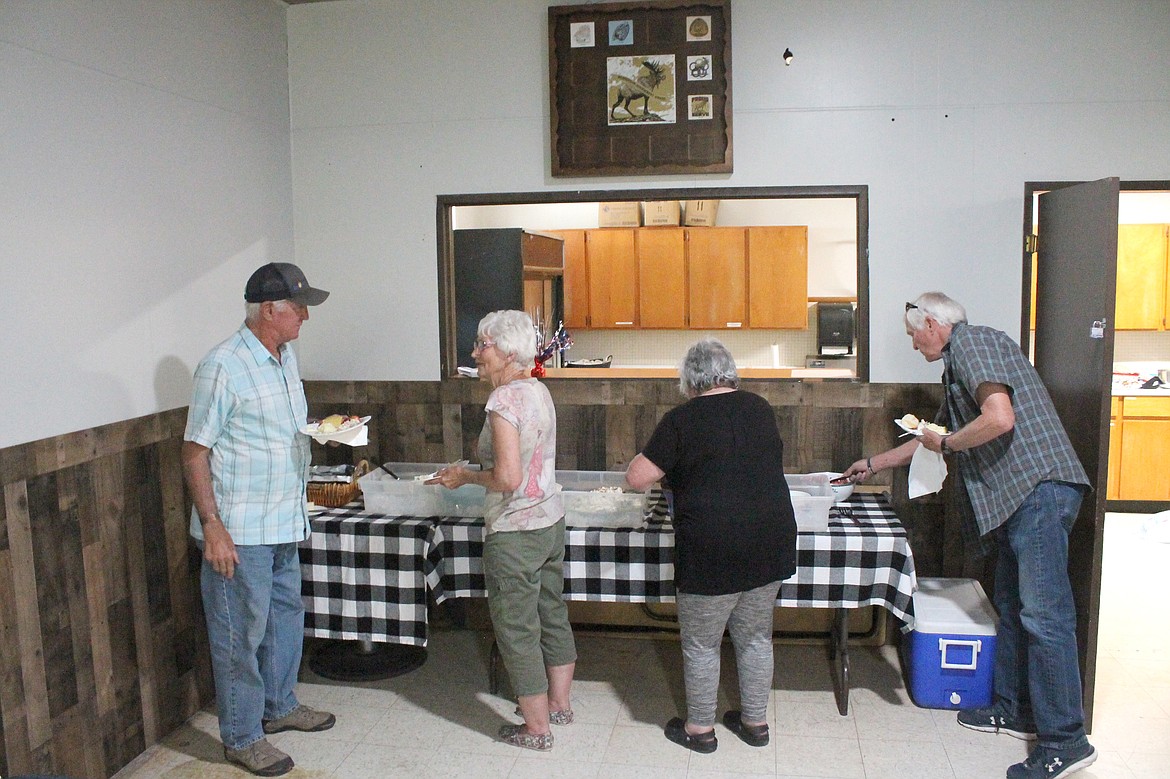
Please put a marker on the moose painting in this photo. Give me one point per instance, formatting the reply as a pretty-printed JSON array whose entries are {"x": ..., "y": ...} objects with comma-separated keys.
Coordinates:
[{"x": 641, "y": 89}]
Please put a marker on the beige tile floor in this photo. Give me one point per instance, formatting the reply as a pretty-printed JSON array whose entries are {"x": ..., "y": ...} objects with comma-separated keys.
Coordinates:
[{"x": 440, "y": 721}]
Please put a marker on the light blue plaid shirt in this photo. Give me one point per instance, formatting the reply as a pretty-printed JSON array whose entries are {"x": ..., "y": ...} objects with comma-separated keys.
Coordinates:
[{"x": 246, "y": 408}]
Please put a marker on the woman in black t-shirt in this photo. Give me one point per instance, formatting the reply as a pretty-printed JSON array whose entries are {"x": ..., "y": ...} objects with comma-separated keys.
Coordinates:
[{"x": 735, "y": 538}]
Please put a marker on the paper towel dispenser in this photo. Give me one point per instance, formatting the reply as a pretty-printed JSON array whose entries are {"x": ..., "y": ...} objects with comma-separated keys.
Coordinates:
[{"x": 835, "y": 328}]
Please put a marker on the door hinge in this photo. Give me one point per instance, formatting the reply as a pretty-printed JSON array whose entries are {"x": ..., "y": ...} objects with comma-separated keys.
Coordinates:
[{"x": 1031, "y": 243}]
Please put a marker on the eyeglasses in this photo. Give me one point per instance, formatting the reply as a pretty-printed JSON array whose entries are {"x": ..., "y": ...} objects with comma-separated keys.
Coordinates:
[
  {"x": 910, "y": 306},
  {"x": 479, "y": 344}
]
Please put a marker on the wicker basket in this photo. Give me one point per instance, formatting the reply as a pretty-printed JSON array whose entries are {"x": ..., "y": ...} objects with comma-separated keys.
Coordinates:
[{"x": 335, "y": 494}]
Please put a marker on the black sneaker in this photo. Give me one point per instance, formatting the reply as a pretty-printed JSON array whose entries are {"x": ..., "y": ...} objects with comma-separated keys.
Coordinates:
[
  {"x": 990, "y": 720},
  {"x": 1049, "y": 763}
]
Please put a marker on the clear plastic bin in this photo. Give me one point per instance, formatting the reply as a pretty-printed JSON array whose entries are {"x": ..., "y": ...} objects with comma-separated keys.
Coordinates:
[
  {"x": 586, "y": 507},
  {"x": 812, "y": 513},
  {"x": 383, "y": 494}
]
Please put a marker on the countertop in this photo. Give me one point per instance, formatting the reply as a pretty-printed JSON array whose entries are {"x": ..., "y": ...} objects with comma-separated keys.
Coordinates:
[
  {"x": 1135, "y": 392},
  {"x": 672, "y": 373}
]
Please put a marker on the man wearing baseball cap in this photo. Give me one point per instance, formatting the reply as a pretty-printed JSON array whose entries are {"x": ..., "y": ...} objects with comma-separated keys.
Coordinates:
[{"x": 245, "y": 463}]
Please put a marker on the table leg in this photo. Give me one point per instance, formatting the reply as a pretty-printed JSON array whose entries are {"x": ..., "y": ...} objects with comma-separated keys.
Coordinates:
[{"x": 839, "y": 659}]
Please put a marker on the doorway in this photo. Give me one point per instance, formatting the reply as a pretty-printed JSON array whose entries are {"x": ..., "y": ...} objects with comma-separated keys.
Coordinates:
[{"x": 1132, "y": 203}]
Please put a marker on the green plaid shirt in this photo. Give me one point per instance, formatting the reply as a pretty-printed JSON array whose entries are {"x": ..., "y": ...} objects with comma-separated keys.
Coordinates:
[{"x": 998, "y": 475}]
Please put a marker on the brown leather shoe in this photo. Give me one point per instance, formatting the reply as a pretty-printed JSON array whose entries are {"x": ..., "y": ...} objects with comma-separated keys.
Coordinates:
[
  {"x": 260, "y": 758},
  {"x": 301, "y": 718}
]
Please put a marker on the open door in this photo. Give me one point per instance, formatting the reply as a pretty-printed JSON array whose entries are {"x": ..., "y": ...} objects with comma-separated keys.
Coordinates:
[{"x": 1075, "y": 293}]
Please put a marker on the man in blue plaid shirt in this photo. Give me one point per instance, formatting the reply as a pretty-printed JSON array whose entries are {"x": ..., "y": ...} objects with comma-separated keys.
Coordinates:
[
  {"x": 245, "y": 463},
  {"x": 1020, "y": 490}
]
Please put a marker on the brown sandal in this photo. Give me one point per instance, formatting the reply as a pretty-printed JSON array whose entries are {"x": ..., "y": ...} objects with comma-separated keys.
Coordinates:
[{"x": 517, "y": 737}]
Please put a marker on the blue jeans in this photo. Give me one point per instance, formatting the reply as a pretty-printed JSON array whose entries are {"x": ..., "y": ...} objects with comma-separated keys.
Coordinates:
[
  {"x": 1037, "y": 675},
  {"x": 256, "y": 627}
]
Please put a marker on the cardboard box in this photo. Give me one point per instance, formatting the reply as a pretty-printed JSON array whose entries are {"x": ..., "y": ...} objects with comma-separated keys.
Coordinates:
[
  {"x": 623, "y": 214},
  {"x": 660, "y": 213},
  {"x": 951, "y": 650},
  {"x": 700, "y": 213}
]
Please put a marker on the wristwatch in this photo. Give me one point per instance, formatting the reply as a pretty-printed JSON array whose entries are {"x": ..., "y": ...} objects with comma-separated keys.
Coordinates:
[{"x": 943, "y": 446}]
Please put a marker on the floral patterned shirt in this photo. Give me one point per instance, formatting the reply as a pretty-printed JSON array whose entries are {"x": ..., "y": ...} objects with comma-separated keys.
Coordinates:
[{"x": 536, "y": 503}]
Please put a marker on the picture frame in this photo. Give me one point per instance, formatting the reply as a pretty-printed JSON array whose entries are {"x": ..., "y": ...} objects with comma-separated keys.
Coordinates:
[{"x": 640, "y": 88}]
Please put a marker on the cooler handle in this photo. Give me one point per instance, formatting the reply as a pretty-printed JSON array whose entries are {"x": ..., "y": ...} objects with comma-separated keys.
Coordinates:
[{"x": 974, "y": 646}]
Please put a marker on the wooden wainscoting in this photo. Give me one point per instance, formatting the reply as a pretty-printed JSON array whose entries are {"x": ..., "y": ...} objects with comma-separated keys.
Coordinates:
[
  {"x": 103, "y": 649},
  {"x": 602, "y": 424}
]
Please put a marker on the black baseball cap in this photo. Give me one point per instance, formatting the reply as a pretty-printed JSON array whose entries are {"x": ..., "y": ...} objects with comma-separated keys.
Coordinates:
[{"x": 282, "y": 281}]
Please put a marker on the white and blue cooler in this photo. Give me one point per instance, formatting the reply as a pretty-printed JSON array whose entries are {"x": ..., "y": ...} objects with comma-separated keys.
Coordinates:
[{"x": 951, "y": 650}]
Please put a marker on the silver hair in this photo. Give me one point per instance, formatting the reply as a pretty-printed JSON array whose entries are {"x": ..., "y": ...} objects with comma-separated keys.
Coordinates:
[
  {"x": 252, "y": 310},
  {"x": 938, "y": 307},
  {"x": 513, "y": 334},
  {"x": 707, "y": 365}
]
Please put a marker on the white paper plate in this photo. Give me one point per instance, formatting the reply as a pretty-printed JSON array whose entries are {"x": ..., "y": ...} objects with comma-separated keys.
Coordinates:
[
  {"x": 912, "y": 430},
  {"x": 311, "y": 430}
]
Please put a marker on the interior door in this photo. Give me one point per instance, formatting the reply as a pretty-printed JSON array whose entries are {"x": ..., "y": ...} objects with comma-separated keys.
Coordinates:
[{"x": 1075, "y": 293}]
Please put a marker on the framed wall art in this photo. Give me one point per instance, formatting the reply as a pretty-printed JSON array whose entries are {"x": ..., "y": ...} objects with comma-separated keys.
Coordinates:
[{"x": 640, "y": 87}]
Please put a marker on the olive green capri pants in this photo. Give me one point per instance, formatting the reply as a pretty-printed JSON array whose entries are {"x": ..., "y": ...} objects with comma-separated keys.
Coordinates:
[{"x": 524, "y": 571}]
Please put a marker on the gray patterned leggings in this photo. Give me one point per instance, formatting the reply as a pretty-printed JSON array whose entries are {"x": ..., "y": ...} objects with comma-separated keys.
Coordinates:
[{"x": 701, "y": 620}]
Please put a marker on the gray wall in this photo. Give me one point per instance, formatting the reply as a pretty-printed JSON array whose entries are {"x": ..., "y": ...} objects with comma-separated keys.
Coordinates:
[
  {"x": 147, "y": 163},
  {"x": 144, "y": 173},
  {"x": 944, "y": 109}
]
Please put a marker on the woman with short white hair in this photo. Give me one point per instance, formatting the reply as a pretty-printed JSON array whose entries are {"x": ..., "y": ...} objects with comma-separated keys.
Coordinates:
[{"x": 524, "y": 518}]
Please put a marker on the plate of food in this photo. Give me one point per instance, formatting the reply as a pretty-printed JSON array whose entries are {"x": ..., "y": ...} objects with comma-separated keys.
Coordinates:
[
  {"x": 334, "y": 425},
  {"x": 915, "y": 426}
]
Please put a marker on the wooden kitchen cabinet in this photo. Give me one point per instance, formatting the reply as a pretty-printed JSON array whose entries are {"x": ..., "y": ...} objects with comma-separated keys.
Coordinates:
[
  {"x": 1113, "y": 486},
  {"x": 662, "y": 276},
  {"x": 716, "y": 277},
  {"x": 778, "y": 277},
  {"x": 576, "y": 280},
  {"x": 702, "y": 278},
  {"x": 612, "y": 264},
  {"x": 1145, "y": 444},
  {"x": 1143, "y": 291}
]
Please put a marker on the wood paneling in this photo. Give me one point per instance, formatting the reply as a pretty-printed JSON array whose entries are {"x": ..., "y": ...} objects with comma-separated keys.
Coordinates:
[
  {"x": 602, "y": 423},
  {"x": 103, "y": 649},
  {"x": 101, "y": 628}
]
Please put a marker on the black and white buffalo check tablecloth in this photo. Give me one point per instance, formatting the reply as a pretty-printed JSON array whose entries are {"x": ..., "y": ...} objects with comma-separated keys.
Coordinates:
[{"x": 366, "y": 576}]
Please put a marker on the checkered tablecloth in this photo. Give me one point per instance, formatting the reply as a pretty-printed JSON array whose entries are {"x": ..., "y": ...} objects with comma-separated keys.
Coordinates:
[
  {"x": 862, "y": 560},
  {"x": 365, "y": 577}
]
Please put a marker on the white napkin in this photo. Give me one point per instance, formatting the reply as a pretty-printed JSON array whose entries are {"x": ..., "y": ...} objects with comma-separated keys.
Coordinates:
[
  {"x": 927, "y": 471},
  {"x": 355, "y": 436}
]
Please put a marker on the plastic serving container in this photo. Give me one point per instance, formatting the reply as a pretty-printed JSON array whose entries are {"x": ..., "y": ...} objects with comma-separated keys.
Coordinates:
[
  {"x": 812, "y": 512},
  {"x": 405, "y": 496},
  {"x": 586, "y": 507},
  {"x": 951, "y": 650}
]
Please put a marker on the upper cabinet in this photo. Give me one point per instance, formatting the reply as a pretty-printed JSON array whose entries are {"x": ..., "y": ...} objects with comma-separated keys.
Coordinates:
[
  {"x": 1143, "y": 295},
  {"x": 778, "y": 277},
  {"x": 613, "y": 277},
  {"x": 701, "y": 278},
  {"x": 576, "y": 280},
  {"x": 717, "y": 277},
  {"x": 662, "y": 278}
]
